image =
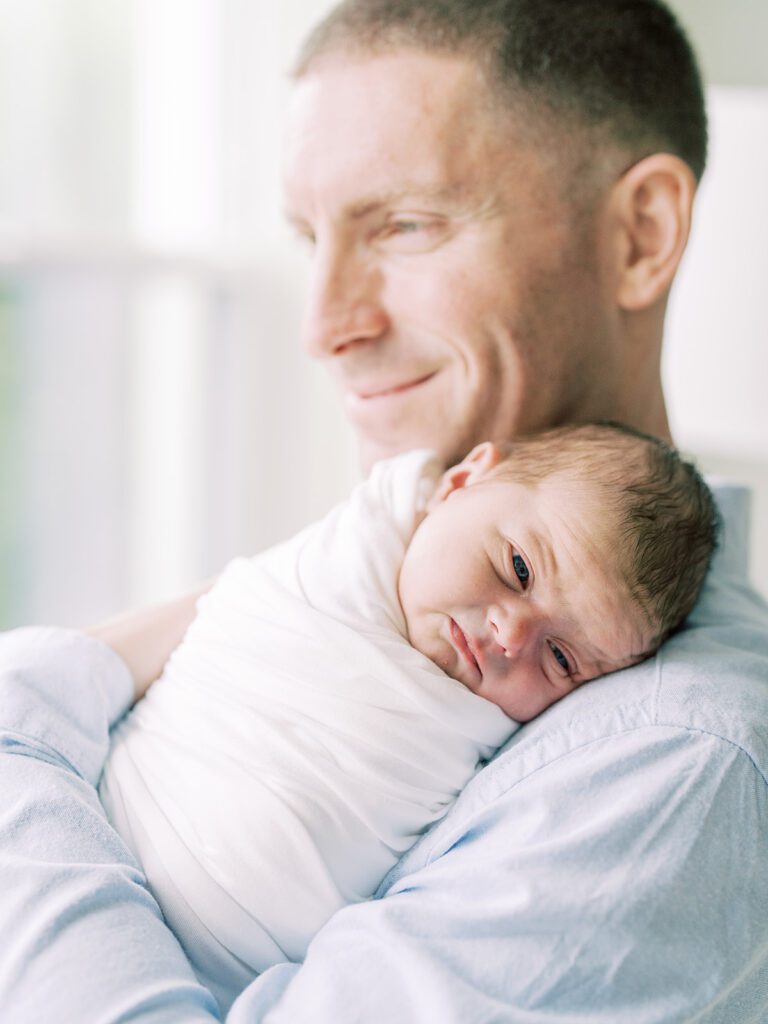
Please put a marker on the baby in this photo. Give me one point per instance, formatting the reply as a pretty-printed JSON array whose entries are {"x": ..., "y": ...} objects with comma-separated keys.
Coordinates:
[{"x": 335, "y": 693}]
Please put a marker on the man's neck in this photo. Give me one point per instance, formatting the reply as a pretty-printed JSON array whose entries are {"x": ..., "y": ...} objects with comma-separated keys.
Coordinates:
[
  {"x": 649, "y": 413},
  {"x": 644, "y": 406}
]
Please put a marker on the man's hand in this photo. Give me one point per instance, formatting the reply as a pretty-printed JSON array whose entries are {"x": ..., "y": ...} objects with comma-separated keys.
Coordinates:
[{"x": 145, "y": 638}]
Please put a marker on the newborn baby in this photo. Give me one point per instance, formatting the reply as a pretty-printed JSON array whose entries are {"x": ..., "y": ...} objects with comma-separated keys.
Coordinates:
[{"x": 335, "y": 693}]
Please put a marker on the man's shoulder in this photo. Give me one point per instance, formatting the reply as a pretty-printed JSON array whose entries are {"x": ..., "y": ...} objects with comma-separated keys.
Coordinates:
[{"x": 712, "y": 676}]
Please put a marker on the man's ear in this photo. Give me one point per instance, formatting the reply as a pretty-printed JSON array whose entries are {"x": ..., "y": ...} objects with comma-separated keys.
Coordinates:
[
  {"x": 652, "y": 202},
  {"x": 474, "y": 467}
]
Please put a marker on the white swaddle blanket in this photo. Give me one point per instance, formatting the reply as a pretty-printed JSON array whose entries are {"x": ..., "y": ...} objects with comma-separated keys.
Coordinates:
[{"x": 296, "y": 745}]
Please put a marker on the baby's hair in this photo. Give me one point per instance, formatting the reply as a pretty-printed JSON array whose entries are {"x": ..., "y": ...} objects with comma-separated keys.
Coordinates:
[{"x": 666, "y": 517}]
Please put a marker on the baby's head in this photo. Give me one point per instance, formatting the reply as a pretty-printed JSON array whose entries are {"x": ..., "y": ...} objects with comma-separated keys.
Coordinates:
[{"x": 554, "y": 560}]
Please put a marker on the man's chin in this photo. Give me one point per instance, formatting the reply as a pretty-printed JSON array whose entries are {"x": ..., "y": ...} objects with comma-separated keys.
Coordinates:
[
  {"x": 373, "y": 451},
  {"x": 390, "y": 424}
]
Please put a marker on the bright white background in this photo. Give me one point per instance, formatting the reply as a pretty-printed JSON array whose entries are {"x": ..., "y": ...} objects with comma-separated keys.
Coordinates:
[{"x": 156, "y": 413}]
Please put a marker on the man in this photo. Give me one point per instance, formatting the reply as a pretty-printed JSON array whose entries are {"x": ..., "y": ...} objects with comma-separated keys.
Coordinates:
[{"x": 498, "y": 195}]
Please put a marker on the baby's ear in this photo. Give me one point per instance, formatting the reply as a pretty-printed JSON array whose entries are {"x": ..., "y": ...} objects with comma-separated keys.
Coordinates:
[{"x": 474, "y": 467}]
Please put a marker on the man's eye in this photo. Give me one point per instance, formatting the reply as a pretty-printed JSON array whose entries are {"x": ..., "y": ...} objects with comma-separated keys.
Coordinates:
[
  {"x": 560, "y": 658},
  {"x": 521, "y": 569},
  {"x": 405, "y": 227},
  {"x": 413, "y": 234},
  {"x": 405, "y": 230}
]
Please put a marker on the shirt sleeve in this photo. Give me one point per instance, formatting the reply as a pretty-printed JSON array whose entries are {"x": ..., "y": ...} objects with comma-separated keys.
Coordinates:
[
  {"x": 626, "y": 883},
  {"x": 81, "y": 936}
]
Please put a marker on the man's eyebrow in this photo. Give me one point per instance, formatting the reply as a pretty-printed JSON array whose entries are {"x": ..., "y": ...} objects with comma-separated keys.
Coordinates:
[
  {"x": 418, "y": 192},
  {"x": 413, "y": 191}
]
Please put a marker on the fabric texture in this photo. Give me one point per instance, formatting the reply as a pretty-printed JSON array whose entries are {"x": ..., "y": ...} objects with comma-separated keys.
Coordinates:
[
  {"x": 608, "y": 865},
  {"x": 296, "y": 745}
]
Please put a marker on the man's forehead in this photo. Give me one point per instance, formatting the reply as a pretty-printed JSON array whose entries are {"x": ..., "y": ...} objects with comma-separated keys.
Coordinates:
[
  {"x": 432, "y": 71},
  {"x": 387, "y": 128},
  {"x": 407, "y": 92}
]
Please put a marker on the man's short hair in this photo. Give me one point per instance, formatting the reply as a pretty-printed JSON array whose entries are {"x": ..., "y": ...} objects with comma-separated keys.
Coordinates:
[
  {"x": 662, "y": 521},
  {"x": 619, "y": 70}
]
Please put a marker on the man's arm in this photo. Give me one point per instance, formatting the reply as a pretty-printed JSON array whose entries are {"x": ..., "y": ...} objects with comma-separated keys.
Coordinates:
[
  {"x": 145, "y": 638},
  {"x": 81, "y": 937},
  {"x": 585, "y": 892}
]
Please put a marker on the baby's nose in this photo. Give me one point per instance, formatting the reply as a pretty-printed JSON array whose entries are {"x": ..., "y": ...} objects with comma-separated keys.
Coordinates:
[{"x": 514, "y": 630}]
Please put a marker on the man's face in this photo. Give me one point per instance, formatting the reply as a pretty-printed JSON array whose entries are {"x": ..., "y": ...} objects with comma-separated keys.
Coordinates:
[
  {"x": 456, "y": 295},
  {"x": 516, "y": 592}
]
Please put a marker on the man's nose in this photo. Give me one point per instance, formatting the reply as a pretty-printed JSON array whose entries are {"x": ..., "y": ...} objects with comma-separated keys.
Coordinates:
[
  {"x": 345, "y": 305},
  {"x": 514, "y": 627}
]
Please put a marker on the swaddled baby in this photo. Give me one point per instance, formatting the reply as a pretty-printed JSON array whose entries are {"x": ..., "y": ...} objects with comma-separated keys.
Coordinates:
[{"x": 335, "y": 693}]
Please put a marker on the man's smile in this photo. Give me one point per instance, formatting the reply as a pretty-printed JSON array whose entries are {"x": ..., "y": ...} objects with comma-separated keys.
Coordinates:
[{"x": 367, "y": 392}]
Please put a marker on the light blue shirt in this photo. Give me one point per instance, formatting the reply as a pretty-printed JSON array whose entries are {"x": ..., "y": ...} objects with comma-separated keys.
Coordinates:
[{"x": 610, "y": 866}]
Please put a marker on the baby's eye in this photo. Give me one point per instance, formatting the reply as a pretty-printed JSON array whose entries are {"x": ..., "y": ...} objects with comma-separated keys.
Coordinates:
[
  {"x": 560, "y": 658},
  {"x": 521, "y": 569}
]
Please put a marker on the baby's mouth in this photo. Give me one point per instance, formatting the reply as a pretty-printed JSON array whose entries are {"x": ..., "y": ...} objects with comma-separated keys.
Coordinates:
[{"x": 463, "y": 647}]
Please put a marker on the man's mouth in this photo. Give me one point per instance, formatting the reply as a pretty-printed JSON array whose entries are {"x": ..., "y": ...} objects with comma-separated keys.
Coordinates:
[
  {"x": 464, "y": 648},
  {"x": 372, "y": 391}
]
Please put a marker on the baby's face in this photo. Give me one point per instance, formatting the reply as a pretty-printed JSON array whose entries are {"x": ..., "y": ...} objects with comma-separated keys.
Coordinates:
[{"x": 516, "y": 591}]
